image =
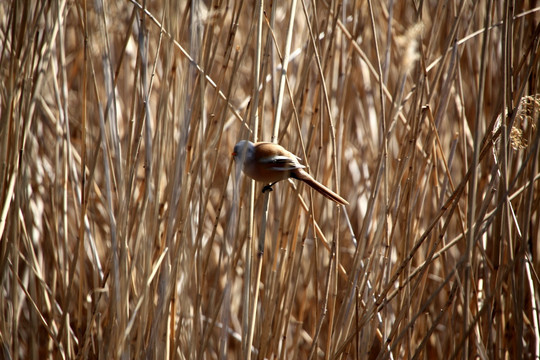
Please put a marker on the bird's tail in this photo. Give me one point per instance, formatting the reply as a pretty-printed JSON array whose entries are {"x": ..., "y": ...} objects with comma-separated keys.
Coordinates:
[{"x": 308, "y": 179}]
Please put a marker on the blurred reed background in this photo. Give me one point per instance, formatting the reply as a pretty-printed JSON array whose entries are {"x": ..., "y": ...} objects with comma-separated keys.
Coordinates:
[{"x": 128, "y": 232}]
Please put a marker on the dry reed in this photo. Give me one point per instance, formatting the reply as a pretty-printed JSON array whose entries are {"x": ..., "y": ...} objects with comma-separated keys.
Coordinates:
[{"x": 127, "y": 231}]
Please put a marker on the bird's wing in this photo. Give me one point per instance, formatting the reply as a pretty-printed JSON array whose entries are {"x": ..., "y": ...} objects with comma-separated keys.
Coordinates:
[
  {"x": 276, "y": 157},
  {"x": 282, "y": 163}
]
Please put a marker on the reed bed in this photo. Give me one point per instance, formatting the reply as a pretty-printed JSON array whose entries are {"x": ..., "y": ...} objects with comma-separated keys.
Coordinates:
[{"x": 127, "y": 230}]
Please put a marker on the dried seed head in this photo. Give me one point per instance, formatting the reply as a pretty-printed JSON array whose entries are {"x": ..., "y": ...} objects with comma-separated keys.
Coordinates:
[
  {"x": 524, "y": 125},
  {"x": 408, "y": 44}
]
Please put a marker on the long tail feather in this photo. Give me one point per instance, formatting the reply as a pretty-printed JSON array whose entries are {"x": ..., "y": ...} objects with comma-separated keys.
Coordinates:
[{"x": 308, "y": 179}]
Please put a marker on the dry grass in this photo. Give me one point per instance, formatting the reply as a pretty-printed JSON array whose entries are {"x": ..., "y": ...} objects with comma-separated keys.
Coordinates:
[{"x": 127, "y": 231}]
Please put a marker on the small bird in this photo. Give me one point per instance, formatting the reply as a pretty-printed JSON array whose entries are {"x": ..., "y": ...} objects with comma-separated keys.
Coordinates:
[{"x": 269, "y": 163}]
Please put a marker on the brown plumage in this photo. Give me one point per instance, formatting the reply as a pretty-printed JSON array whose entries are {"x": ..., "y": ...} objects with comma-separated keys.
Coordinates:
[{"x": 269, "y": 163}]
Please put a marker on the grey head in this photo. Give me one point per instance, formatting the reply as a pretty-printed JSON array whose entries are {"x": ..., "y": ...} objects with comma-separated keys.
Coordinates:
[{"x": 240, "y": 147}]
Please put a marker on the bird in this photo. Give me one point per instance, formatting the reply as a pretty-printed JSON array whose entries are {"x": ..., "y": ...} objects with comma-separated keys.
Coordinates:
[{"x": 269, "y": 163}]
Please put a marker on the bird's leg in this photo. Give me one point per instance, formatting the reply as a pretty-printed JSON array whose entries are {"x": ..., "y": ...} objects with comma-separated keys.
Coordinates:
[{"x": 268, "y": 187}]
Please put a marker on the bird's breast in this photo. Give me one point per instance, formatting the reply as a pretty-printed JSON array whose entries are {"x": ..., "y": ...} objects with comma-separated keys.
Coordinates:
[{"x": 266, "y": 172}]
